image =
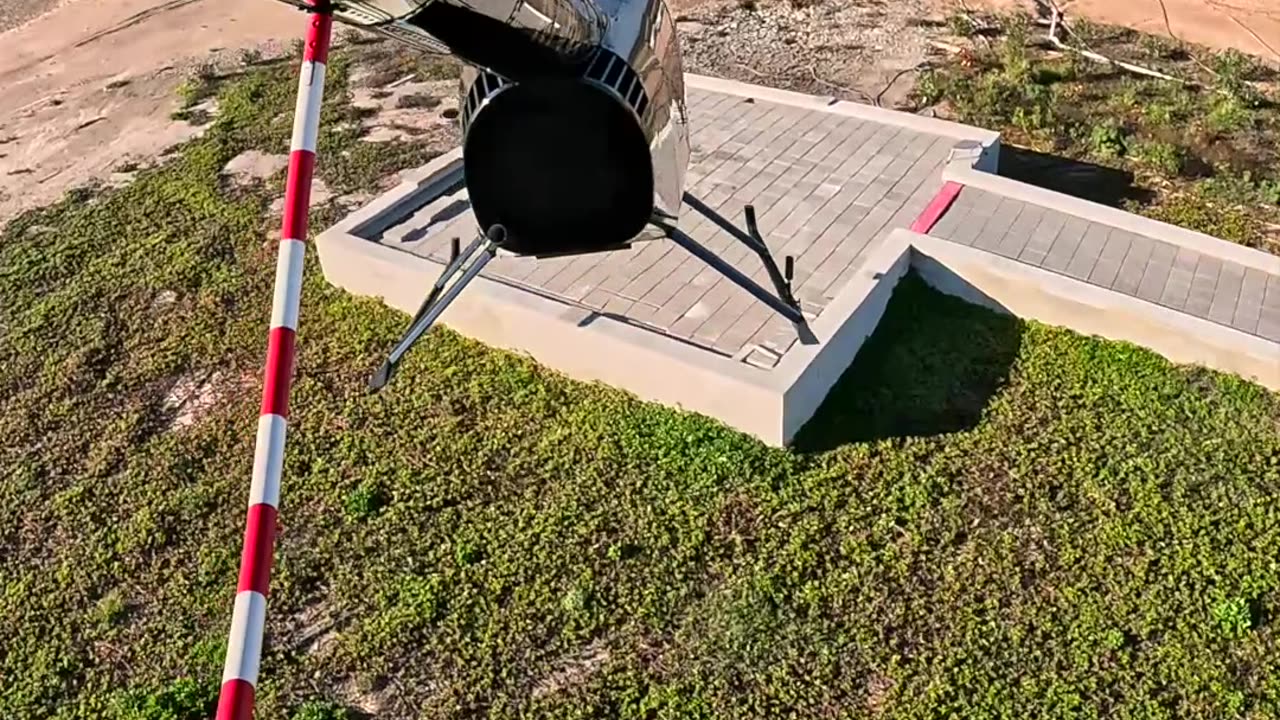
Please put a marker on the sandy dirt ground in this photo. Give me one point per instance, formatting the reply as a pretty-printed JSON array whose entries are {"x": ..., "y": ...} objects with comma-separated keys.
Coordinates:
[
  {"x": 88, "y": 85},
  {"x": 1252, "y": 26}
]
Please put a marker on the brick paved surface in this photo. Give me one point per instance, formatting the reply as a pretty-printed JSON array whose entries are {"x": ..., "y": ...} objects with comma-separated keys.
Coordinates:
[
  {"x": 825, "y": 188},
  {"x": 1181, "y": 279}
]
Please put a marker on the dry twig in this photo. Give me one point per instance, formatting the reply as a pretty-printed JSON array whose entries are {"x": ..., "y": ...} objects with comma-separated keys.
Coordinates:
[{"x": 1056, "y": 21}]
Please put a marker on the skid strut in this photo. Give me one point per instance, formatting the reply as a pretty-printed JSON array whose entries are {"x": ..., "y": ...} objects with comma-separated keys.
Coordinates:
[
  {"x": 782, "y": 300},
  {"x": 469, "y": 262}
]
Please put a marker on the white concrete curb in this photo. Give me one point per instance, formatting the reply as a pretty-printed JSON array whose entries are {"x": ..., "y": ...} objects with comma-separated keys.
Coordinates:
[
  {"x": 1013, "y": 287},
  {"x": 827, "y": 103}
]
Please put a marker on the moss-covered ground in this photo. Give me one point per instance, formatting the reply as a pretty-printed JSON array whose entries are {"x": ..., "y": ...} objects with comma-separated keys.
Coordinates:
[{"x": 988, "y": 519}]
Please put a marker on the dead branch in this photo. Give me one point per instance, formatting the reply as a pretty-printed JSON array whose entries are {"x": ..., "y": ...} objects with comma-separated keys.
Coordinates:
[
  {"x": 813, "y": 72},
  {"x": 894, "y": 79},
  {"x": 953, "y": 49},
  {"x": 1056, "y": 22}
]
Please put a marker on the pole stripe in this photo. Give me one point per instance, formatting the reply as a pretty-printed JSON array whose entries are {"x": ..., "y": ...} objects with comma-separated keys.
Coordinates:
[
  {"x": 279, "y": 372},
  {"x": 284, "y": 307},
  {"x": 259, "y": 548},
  {"x": 306, "y": 112},
  {"x": 297, "y": 195},
  {"x": 236, "y": 701},
  {"x": 244, "y": 645},
  {"x": 318, "y": 37},
  {"x": 268, "y": 461}
]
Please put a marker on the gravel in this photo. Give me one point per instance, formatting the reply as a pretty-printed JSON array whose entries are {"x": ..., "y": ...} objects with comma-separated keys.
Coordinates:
[
  {"x": 14, "y": 13},
  {"x": 832, "y": 47}
]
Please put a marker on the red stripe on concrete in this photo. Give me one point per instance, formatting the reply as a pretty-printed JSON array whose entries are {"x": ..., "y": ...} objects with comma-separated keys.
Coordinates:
[
  {"x": 318, "y": 35},
  {"x": 279, "y": 372},
  {"x": 236, "y": 701},
  {"x": 259, "y": 547},
  {"x": 297, "y": 195},
  {"x": 937, "y": 208}
]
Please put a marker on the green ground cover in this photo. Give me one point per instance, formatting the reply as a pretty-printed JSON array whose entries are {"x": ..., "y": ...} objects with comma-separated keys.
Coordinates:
[
  {"x": 1201, "y": 152},
  {"x": 989, "y": 518}
]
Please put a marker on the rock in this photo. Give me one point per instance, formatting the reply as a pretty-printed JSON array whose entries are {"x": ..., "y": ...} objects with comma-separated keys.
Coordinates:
[{"x": 255, "y": 165}]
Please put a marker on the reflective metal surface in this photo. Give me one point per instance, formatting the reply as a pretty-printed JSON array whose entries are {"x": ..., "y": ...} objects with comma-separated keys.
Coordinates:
[{"x": 574, "y": 118}]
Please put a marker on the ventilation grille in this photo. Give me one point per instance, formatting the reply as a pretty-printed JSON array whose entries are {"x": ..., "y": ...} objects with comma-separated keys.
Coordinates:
[
  {"x": 606, "y": 69},
  {"x": 614, "y": 73},
  {"x": 485, "y": 86}
]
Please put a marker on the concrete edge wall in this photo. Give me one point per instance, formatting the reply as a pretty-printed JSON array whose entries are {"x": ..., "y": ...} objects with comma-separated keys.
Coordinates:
[
  {"x": 1028, "y": 292},
  {"x": 827, "y": 103},
  {"x": 555, "y": 334},
  {"x": 808, "y": 372},
  {"x": 960, "y": 171}
]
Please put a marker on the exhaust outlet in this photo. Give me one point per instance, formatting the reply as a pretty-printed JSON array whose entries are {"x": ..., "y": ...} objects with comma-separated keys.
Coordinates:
[{"x": 573, "y": 114}]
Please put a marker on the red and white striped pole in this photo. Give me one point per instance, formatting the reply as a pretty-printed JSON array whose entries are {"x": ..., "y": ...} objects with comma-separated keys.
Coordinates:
[{"x": 244, "y": 647}]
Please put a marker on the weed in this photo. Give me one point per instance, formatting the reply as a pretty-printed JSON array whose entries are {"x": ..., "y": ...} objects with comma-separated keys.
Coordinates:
[
  {"x": 1107, "y": 140},
  {"x": 1233, "y": 67},
  {"x": 1158, "y": 114},
  {"x": 417, "y": 100},
  {"x": 320, "y": 710},
  {"x": 1157, "y": 47},
  {"x": 1165, "y": 158},
  {"x": 1229, "y": 114},
  {"x": 437, "y": 67},
  {"x": 1015, "y": 64},
  {"x": 184, "y": 699},
  {"x": 1233, "y": 617},
  {"x": 365, "y": 501},
  {"x": 1269, "y": 191},
  {"x": 1241, "y": 189},
  {"x": 930, "y": 87},
  {"x": 1197, "y": 210},
  {"x": 111, "y": 608},
  {"x": 961, "y": 25},
  {"x": 1126, "y": 99}
]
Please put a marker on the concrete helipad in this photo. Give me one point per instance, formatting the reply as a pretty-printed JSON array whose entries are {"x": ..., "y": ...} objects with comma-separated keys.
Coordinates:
[{"x": 836, "y": 185}]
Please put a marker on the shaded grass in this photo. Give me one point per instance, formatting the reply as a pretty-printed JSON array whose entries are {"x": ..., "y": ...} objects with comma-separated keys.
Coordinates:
[{"x": 487, "y": 538}]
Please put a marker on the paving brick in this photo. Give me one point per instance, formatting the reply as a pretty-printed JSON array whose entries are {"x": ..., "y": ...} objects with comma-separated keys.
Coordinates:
[
  {"x": 1065, "y": 244},
  {"x": 1156, "y": 274},
  {"x": 1253, "y": 290},
  {"x": 1227, "y": 294},
  {"x": 1177, "y": 285},
  {"x": 1015, "y": 240},
  {"x": 1134, "y": 264},
  {"x": 1087, "y": 252},
  {"x": 1203, "y": 286},
  {"x": 1110, "y": 258},
  {"x": 993, "y": 231},
  {"x": 1042, "y": 237},
  {"x": 1269, "y": 310}
]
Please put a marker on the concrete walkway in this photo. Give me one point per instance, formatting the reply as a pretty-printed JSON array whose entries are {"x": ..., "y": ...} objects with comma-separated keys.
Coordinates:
[{"x": 1195, "y": 283}]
